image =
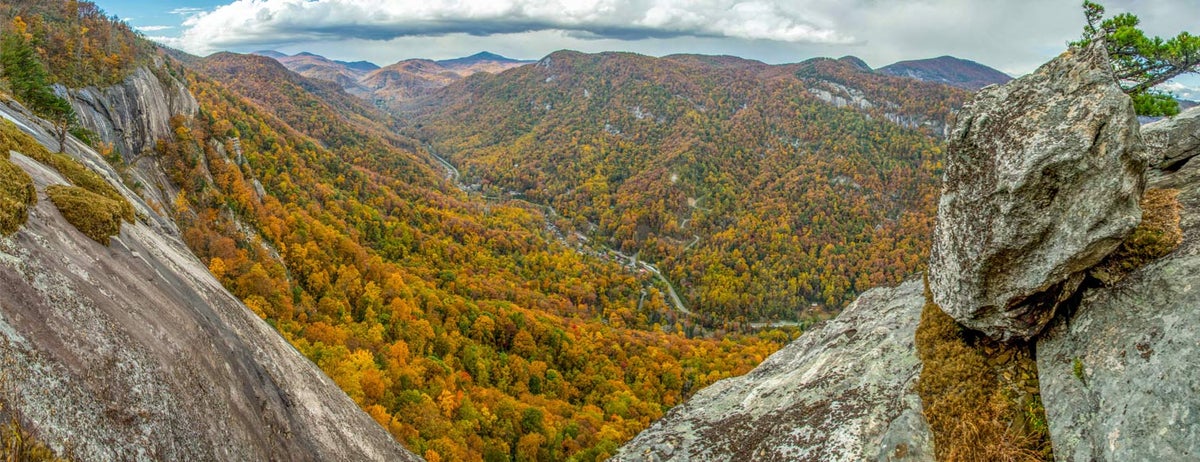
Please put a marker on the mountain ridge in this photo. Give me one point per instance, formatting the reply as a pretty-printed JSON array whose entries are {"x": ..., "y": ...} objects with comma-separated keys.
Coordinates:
[{"x": 962, "y": 73}]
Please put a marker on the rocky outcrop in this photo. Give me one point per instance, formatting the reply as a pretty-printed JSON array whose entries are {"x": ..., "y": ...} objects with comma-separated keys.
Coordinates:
[
  {"x": 135, "y": 352},
  {"x": 843, "y": 391},
  {"x": 1043, "y": 180},
  {"x": 1173, "y": 140},
  {"x": 134, "y": 115},
  {"x": 1118, "y": 375}
]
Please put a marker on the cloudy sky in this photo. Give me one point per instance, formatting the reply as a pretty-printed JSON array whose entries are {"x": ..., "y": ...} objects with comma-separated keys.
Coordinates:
[{"x": 1012, "y": 35}]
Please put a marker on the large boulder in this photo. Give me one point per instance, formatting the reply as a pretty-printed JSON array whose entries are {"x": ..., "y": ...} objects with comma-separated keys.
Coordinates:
[
  {"x": 842, "y": 391},
  {"x": 1118, "y": 377},
  {"x": 1043, "y": 179},
  {"x": 1174, "y": 139}
]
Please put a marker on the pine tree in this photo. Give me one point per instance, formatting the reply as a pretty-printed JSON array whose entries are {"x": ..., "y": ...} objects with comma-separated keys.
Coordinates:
[
  {"x": 1141, "y": 62},
  {"x": 29, "y": 81}
]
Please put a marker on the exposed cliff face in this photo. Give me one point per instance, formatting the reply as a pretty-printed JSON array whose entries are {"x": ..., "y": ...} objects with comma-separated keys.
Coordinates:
[
  {"x": 132, "y": 117},
  {"x": 134, "y": 351},
  {"x": 843, "y": 391}
]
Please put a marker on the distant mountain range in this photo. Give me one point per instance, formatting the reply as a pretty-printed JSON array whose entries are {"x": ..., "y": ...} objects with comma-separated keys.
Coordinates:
[
  {"x": 949, "y": 70},
  {"x": 392, "y": 85}
]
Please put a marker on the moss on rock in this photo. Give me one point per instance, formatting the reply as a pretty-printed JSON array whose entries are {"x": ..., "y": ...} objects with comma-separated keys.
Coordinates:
[
  {"x": 96, "y": 216},
  {"x": 16, "y": 196},
  {"x": 12, "y": 138}
]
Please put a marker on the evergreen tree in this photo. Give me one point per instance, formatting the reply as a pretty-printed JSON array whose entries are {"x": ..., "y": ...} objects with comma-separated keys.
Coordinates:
[
  {"x": 29, "y": 81},
  {"x": 1141, "y": 62}
]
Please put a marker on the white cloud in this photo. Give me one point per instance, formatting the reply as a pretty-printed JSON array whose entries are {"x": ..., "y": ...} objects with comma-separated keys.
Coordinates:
[
  {"x": 153, "y": 28},
  {"x": 252, "y": 23},
  {"x": 187, "y": 11},
  {"x": 1181, "y": 90}
]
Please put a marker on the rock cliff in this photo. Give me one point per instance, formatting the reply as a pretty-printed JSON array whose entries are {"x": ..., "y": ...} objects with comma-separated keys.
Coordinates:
[
  {"x": 132, "y": 117},
  {"x": 843, "y": 391},
  {"x": 134, "y": 351},
  {"x": 135, "y": 114}
]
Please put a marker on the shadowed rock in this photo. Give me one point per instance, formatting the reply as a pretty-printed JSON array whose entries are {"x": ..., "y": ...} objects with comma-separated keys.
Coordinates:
[
  {"x": 842, "y": 391},
  {"x": 1043, "y": 179}
]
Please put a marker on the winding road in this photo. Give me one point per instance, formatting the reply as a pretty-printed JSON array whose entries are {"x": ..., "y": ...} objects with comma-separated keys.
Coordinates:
[{"x": 454, "y": 176}]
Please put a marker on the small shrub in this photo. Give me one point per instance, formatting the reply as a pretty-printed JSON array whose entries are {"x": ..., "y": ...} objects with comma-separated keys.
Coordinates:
[
  {"x": 16, "y": 195},
  {"x": 1077, "y": 365},
  {"x": 972, "y": 413},
  {"x": 96, "y": 216},
  {"x": 1155, "y": 237}
]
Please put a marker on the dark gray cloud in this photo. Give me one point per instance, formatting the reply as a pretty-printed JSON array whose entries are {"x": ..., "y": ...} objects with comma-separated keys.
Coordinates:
[{"x": 260, "y": 22}]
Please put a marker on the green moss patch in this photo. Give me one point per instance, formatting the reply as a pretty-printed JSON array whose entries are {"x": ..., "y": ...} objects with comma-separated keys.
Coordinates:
[
  {"x": 1155, "y": 237},
  {"x": 980, "y": 397},
  {"x": 12, "y": 138},
  {"x": 96, "y": 216},
  {"x": 16, "y": 196}
]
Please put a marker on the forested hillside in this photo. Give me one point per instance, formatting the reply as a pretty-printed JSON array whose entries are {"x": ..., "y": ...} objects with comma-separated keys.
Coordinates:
[
  {"x": 464, "y": 327},
  {"x": 763, "y": 192}
]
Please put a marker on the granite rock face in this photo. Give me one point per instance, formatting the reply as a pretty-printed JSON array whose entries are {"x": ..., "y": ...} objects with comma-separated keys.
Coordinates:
[
  {"x": 1043, "y": 179},
  {"x": 1174, "y": 139},
  {"x": 843, "y": 391},
  {"x": 134, "y": 351},
  {"x": 1118, "y": 377},
  {"x": 135, "y": 114}
]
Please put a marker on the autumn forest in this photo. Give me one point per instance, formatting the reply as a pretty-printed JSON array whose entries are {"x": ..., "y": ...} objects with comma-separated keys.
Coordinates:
[{"x": 499, "y": 314}]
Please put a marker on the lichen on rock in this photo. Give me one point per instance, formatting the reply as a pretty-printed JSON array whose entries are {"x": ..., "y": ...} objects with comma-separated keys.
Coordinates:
[
  {"x": 1043, "y": 179},
  {"x": 842, "y": 391}
]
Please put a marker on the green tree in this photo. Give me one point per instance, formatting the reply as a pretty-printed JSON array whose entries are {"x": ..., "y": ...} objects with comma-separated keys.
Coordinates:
[
  {"x": 1141, "y": 62},
  {"x": 30, "y": 83}
]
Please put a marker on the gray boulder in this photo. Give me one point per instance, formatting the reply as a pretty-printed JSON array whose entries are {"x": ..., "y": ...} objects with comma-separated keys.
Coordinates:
[
  {"x": 1043, "y": 179},
  {"x": 843, "y": 391},
  {"x": 1118, "y": 377},
  {"x": 1174, "y": 139}
]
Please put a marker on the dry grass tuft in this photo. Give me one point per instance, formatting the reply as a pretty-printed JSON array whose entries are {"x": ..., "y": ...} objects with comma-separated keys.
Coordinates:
[
  {"x": 13, "y": 139},
  {"x": 96, "y": 216},
  {"x": 1155, "y": 237},
  {"x": 975, "y": 413}
]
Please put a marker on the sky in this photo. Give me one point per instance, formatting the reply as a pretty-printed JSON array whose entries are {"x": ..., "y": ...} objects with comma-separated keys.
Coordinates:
[{"x": 1014, "y": 36}]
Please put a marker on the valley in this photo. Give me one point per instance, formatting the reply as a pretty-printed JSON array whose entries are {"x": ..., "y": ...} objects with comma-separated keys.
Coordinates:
[{"x": 214, "y": 253}]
